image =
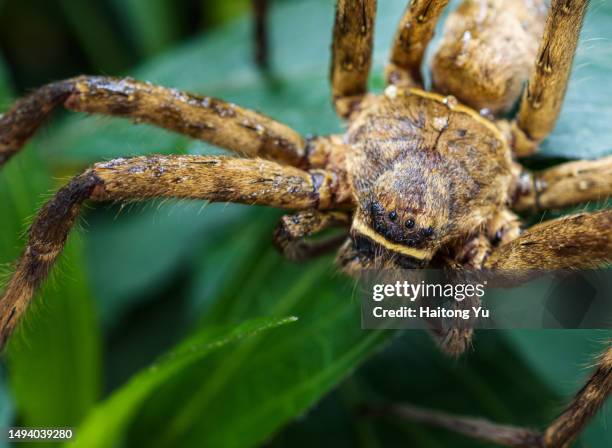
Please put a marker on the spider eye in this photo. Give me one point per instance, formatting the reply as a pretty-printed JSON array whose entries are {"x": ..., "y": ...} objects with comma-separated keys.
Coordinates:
[
  {"x": 410, "y": 223},
  {"x": 376, "y": 208},
  {"x": 393, "y": 215}
]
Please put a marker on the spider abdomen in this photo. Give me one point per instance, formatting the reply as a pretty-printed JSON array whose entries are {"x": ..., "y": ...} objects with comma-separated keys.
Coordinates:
[{"x": 487, "y": 51}]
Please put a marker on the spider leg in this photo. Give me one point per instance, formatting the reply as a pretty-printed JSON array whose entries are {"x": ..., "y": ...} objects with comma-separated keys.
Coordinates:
[
  {"x": 292, "y": 229},
  {"x": 478, "y": 428},
  {"x": 559, "y": 434},
  {"x": 571, "y": 242},
  {"x": 454, "y": 340},
  {"x": 223, "y": 124},
  {"x": 564, "y": 185},
  {"x": 218, "y": 179},
  {"x": 543, "y": 97},
  {"x": 578, "y": 241},
  {"x": 413, "y": 34},
  {"x": 351, "y": 262},
  {"x": 261, "y": 9},
  {"x": 568, "y": 426},
  {"x": 454, "y": 336},
  {"x": 351, "y": 53}
]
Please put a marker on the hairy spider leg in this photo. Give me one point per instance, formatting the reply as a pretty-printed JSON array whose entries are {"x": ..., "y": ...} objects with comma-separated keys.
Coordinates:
[
  {"x": 572, "y": 421},
  {"x": 223, "y": 124},
  {"x": 561, "y": 433},
  {"x": 543, "y": 97},
  {"x": 571, "y": 242},
  {"x": 578, "y": 241},
  {"x": 415, "y": 30},
  {"x": 478, "y": 428},
  {"x": 290, "y": 234},
  {"x": 564, "y": 185},
  {"x": 216, "y": 179},
  {"x": 351, "y": 53}
]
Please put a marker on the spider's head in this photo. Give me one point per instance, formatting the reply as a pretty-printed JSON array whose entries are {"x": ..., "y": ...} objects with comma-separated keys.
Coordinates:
[{"x": 404, "y": 218}]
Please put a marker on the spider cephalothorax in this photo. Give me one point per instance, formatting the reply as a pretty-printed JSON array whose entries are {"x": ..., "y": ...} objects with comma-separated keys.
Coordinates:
[
  {"x": 418, "y": 178},
  {"x": 425, "y": 171}
]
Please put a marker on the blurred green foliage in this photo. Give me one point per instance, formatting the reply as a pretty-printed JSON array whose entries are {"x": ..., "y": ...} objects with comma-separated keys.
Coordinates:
[
  {"x": 192, "y": 301},
  {"x": 44, "y": 40}
]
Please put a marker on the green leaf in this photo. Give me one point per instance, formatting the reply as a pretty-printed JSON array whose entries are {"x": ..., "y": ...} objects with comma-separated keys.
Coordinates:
[
  {"x": 142, "y": 259},
  {"x": 106, "y": 423},
  {"x": 240, "y": 398},
  {"x": 491, "y": 381},
  {"x": 54, "y": 358}
]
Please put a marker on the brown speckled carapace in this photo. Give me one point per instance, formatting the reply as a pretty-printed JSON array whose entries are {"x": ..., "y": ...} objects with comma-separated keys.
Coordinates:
[{"x": 418, "y": 179}]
